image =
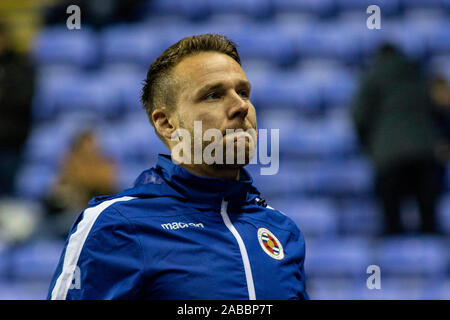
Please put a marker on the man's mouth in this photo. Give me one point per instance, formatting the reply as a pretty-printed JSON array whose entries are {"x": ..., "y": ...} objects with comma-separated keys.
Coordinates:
[{"x": 234, "y": 131}]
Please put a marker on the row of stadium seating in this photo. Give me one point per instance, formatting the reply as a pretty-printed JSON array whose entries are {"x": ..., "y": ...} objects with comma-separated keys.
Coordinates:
[
  {"x": 282, "y": 41},
  {"x": 113, "y": 92},
  {"x": 198, "y": 9},
  {"x": 416, "y": 255},
  {"x": 340, "y": 288},
  {"x": 418, "y": 263},
  {"x": 392, "y": 288},
  {"x": 331, "y": 135}
]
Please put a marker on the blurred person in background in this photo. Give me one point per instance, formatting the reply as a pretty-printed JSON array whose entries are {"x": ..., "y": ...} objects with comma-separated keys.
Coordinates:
[
  {"x": 394, "y": 121},
  {"x": 440, "y": 95},
  {"x": 16, "y": 92},
  {"x": 85, "y": 173}
]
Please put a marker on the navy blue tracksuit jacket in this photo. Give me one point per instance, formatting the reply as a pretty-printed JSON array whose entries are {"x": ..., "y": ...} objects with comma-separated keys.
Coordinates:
[{"x": 176, "y": 235}]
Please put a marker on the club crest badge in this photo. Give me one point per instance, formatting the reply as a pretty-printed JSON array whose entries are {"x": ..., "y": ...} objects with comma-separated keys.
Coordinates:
[{"x": 270, "y": 244}]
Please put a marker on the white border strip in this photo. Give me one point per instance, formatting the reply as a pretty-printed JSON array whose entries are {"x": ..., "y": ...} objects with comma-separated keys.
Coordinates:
[
  {"x": 75, "y": 245},
  {"x": 245, "y": 260}
]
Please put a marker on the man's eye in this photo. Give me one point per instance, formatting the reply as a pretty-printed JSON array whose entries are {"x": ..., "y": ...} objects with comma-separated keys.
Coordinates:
[
  {"x": 212, "y": 96},
  {"x": 244, "y": 94}
]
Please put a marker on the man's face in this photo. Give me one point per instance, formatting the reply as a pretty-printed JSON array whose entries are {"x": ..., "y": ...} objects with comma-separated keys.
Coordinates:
[{"x": 214, "y": 89}]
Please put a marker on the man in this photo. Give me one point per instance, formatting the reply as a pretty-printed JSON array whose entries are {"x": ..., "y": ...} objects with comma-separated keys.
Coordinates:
[
  {"x": 394, "y": 122},
  {"x": 187, "y": 230},
  {"x": 16, "y": 92}
]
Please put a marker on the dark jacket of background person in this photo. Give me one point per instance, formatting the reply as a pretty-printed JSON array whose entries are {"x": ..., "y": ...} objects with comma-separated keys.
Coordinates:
[
  {"x": 16, "y": 91},
  {"x": 440, "y": 95},
  {"x": 392, "y": 112}
]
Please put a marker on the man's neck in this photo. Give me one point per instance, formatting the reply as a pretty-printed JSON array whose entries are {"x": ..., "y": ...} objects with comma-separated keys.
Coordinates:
[{"x": 213, "y": 172}]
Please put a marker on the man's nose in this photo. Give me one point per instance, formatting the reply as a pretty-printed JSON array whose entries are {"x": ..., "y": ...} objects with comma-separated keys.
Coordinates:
[{"x": 238, "y": 107}]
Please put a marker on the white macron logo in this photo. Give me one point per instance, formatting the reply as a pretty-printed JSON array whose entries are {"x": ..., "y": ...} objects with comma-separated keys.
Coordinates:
[{"x": 181, "y": 225}]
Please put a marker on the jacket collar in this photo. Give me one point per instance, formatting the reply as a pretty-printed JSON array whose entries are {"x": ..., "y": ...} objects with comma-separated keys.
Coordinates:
[{"x": 203, "y": 191}]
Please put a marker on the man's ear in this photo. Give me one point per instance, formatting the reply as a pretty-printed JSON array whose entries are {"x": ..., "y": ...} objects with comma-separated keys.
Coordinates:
[{"x": 163, "y": 123}]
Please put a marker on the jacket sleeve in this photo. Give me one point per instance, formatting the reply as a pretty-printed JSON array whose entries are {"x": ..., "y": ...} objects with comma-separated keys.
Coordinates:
[
  {"x": 106, "y": 263},
  {"x": 364, "y": 110},
  {"x": 302, "y": 295}
]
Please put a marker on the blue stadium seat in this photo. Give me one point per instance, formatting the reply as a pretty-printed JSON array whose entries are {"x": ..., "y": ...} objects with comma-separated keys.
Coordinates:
[
  {"x": 61, "y": 94},
  {"x": 339, "y": 88},
  {"x": 307, "y": 139},
  {"x": 264, "y": 41},
  {"x": 161, "y": 7},
  {"x": 127, "y": 82},
  {"x": 351, "y": 177},
  {"x": 316, "y": 7},
  {"x": 365, "y": 41},
  {"x": 258, "y": 75},
  {"x": 339, "y": 133},
  {"x": 49, "y": 142},
  {"x": 412, "y": 255},
  {"x": 141, "y": 140},
  {"x": 338, "y": 257},
  {"x": 285, "y": 182},
  {"x": 132, "y": 43},
  {"x": 443, "y": 216},
  {"x": 405, "y": 34},
  {"x": 316, "y": 217},
  {"x": 132, "y": 144},
  {"x": 430, "y": 26},
  {"x": 397, "y": 288},
  {"x": 422, "y": 3},
  {"x": 413, "y": 44},
  {"x": 298, "y": 135},
  {"x": 91, "y": 94},
  {"x": 336, "y": 84},
  {"x": 439, "y": 39},
  {"x": 386, "y": 6},
  {"x": 50, "y": 83},
  {"x": 289, "y": 89},
  {"x": 226, "y": 24},
  {"x": 58, "y": 45},
  {"x": 133, "y": 139},
  {"x": 354, "y": 176},
  {"x": 23, "y": 290},
  {"x": 328, "y": 40},
  {"x": 4, "y": 259},
  {"x": 331, "y": 135},
  {"x": 437, "y": 289},
  {"x": 190, "y": 9},
  {"x": 37, "y": 260},
  {"x": 112, "y": 141},
  {"x": 330, "y": 288},
  {"x": 251, "y": 8},
  {"x": 392, "y": 288},
  {"x": 34, "y": 180},
  {"x": 360, "y": 217},
  {"x": 446, "y": 4},
  {"x": 107, "y": 93},
  {"x": 129, "y": 171}
]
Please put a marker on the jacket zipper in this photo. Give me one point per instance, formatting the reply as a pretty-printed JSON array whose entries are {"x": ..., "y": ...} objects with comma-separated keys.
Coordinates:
[{"x": 242, "y": 249}]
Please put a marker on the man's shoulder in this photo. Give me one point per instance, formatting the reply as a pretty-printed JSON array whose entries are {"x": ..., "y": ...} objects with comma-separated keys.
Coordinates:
[
  {"x": 110, "y": 214},
  {"x": 133, "y": 206},
  {"x": 275, "y": 217}
]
